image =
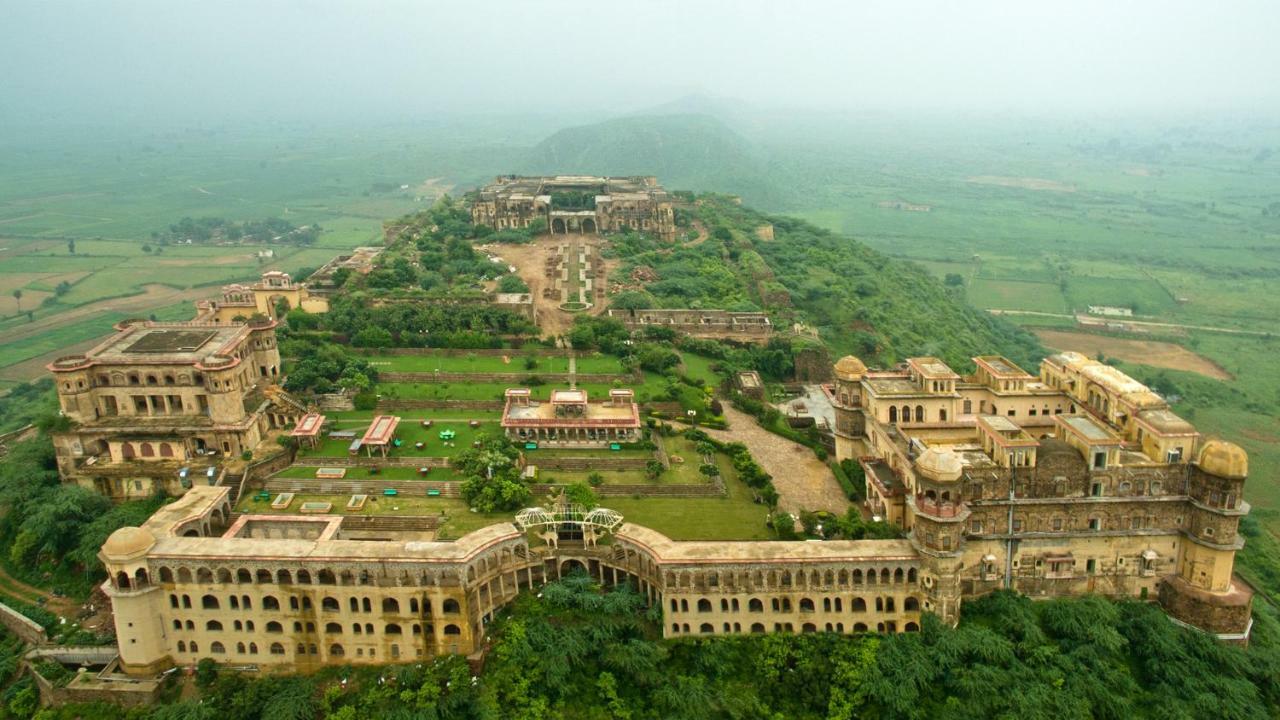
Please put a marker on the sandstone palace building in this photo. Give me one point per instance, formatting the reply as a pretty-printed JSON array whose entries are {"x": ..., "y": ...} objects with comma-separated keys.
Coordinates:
[
  {"x": 576, "y": 204},
  {"x": 162, "y": 406},
  {"x": 1078, "y": 480}
]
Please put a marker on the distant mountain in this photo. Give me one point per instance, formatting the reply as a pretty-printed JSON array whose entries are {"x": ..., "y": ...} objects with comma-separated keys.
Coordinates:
[{"x": 685, "y": 151}]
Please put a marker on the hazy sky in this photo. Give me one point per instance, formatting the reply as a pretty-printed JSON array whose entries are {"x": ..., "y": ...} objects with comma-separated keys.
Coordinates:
[{"x": 100, "y": 59}]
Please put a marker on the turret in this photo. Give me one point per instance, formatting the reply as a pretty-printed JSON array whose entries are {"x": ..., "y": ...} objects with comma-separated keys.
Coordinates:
[{"x": 850, "y": 430}]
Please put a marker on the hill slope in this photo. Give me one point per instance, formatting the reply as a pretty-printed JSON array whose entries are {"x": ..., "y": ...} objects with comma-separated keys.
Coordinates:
[
  {"x": 683, "y": 150},
  {"x": 861, "y": 301}
]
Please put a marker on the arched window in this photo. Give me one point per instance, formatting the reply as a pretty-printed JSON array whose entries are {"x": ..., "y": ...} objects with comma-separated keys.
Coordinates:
[
  {"x": 148, "y": 450},
  {"x": 264, "y": 577},
  {"x": 213, "y": 625},
  {"x": 906, "y": 413},
  {"x": 942, "y": 414},
  {"x": 277, "y": 649},
  {"x": 704, "y": 605},
  {"x": 177, "y": 624},
  {"x": 166, "y": 450},
  {"x": 390, "y": 605},
  {"x": 269, "y": 602},
  {"x": 806, "y": 605},
  {"x": 967, "y": 408},
  {"x": 304, "y": 577},
  {"x": 209, "y": 602},
  {"x": 284, "y": 577},
  {"x": 224, "y": 575},
  {"x": 755, "y": 605},
  {"x": 706, "y": 629},
  {"x": 325, "y": 577},
  {"x": 204, "y": 576},
  {"x": 217, "y": 649},
  {"x": 452, "y": 630},
  {"x": 392, "y": 629},
  {"x": 182, "y": 646},
  {"x": 919, "y": 413},
  {"x": 239, "y": 648},
  {"x": 329, "y": 604},
  {"x": 244, "y": 577},
  {"x": 166, "y": 575},
  {"x": 253, "y": 648},
  {"x": 335, "y": 650},
  {"x": 911, "y": 627},
  {"x": 808, "y": 628},
  {"x": 451, "y": 606},
  {"x": 859, "y": 605},
  {"x": 334, "y": 628},
  {"x": 893, "y": 414},
  {"x": 859, "y": 627},
  {"x": 898, "y": 575},
  {"x": 911, "y": 604},
  {"x": 757, "y": 627},
  {"x": 191, "y": 626},
  {"x": 274, "y": 627}
]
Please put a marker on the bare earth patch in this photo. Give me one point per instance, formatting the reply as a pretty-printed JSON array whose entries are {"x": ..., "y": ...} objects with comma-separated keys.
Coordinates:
[
  {"x": 1025, "y": 183},
  {"x": 803, "y": 481},
  {"x": 1143, "y": 352}
]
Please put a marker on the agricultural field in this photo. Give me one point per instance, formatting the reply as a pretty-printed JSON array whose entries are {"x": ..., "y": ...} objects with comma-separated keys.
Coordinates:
[
  {"x": 1179, "y": 226},
  {"x": 109, "y": 192}
]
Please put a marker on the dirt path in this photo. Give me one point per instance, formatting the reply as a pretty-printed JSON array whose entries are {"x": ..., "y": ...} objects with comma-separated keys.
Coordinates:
[
  {"x": 1140, "y": 323},
  {"x": 1144, "y": 352},
  {"x": 31, "y": 594},
  {"x": 803, "y": 481},
  {"x": 530, "y": 261},
  {"x": 152, "y": 297}
]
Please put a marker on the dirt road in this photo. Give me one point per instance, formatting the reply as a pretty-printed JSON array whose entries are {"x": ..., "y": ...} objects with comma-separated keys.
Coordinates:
[
  {"x": 803, "y": 481},
  {"x": 1144, "y": 352}
]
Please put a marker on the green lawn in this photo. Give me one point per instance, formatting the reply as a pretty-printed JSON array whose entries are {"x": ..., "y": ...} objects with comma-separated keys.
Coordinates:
[
  {"x": 544, "y": 362},
  {"x": 409, "y": 433},
  {"x": 386, "y": 473}
]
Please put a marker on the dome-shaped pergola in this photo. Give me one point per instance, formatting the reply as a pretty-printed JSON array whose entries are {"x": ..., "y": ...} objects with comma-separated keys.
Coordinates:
[{"x": 599, "y": 518}]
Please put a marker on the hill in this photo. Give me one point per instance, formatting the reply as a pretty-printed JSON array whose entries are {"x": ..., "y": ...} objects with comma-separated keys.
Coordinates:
[
  {"x": 684, "y": 150},
  {"x": 860, "y": 300}
]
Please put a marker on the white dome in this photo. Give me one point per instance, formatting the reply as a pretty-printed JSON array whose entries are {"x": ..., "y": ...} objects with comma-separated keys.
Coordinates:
[{"x": 942, "y": 465}]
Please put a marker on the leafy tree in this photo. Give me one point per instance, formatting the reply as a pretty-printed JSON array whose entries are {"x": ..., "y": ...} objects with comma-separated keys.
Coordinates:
[{"x": 581, "y": 494}]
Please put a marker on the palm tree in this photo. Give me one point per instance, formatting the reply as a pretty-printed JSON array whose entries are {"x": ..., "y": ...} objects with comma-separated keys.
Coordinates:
[{"x": 17, "y": 297}]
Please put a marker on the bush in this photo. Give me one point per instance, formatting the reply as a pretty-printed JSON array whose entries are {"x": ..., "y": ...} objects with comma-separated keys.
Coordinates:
[{"x": 365, "y": 401}]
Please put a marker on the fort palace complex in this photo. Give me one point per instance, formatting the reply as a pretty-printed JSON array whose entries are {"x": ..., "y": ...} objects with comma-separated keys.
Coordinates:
[
  {"x": 1080, "y": 480},
  {"x": 1074, "y": 480}
]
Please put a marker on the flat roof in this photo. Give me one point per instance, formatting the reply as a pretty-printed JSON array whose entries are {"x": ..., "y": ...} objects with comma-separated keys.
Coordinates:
[
  {"x": 932, "y": 368},
  {"x": 380, "y": 430},
  {"x": 539, "y": 414},
  {"x": 1001, "y": 366},
  {"x": 571, "y": 397},
  {"x": 667, "y": 550},
  {"x": 999, "y": 423},
  {"x": 162, "y": 340},
  {"x": 1089, "y": 429},
  {"x": 308, "y": 426},
  {"x": 881, "y": 386}
]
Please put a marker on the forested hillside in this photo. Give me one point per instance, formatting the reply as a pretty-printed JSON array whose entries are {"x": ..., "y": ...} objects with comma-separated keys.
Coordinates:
[
  {"x": 860, "y": 300},
  {"x": 683, "y": 150}
]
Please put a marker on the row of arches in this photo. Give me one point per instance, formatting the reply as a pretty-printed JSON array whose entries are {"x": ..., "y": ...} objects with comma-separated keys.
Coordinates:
[
  {"x": 131, "y": 450},
  {"x": 786, "y": 579},
  {"x": 888, "y": 626},
  {"x": 389, "y": 606},
  {"x": 905, "y": 415},
  {"x": 325, "y": 576},
  {"x": 804, "y": 605}
]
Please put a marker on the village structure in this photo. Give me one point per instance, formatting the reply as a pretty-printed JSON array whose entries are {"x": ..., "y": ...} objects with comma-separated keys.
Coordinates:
[{"x": 1075, "y": 480}]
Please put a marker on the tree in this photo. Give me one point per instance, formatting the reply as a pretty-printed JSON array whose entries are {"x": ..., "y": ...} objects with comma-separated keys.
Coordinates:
[
  {"x": 71, "y": 247},
  {"x": 954, "y": 280},
  {"x": 372, "y": 337},
  {"x": 580, "y": 494},
  {"x": 653, "y": 469},
  {"x": 17, "y": 298}
]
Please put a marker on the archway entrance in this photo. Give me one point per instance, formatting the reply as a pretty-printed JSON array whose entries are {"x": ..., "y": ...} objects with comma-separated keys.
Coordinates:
[
  {"x": 557, "y": 227},
  {"x": 588, "y": 225},
  {"x": 569, "y": 567}
]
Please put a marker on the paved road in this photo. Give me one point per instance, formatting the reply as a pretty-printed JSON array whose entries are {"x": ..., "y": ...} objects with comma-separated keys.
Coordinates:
[{"x": 803, "y": 481}]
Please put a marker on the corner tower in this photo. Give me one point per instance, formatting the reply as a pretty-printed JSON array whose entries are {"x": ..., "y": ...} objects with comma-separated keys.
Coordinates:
[
  {"x": 850, "y": 430},
  {"x": 1204, "y": 593}
]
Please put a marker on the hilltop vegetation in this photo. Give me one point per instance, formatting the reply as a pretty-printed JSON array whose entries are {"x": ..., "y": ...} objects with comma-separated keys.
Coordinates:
[{"x": 860, "y": 300}]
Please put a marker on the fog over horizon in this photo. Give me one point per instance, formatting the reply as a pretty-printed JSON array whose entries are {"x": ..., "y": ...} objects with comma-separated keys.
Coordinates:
[{"x": 145, "y": 61}]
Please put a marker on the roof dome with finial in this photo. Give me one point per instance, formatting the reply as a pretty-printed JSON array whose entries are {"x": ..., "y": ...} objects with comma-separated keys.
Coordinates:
[
  {"x": 128, "y": 542},
  {"x": 941, "y": 465},
  {"x": 850, "y": 368},
  {"x": 1224, "y": 459}
]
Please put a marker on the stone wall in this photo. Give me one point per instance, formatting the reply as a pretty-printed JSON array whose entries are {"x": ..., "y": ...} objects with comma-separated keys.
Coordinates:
[{"x": 22, "y": 626}]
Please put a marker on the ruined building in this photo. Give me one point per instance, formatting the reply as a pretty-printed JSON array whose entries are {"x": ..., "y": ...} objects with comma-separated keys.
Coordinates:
[{"x": 576, "y": 204}]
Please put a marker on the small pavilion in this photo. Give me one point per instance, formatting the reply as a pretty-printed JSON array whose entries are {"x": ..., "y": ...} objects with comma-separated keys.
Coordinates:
[
  {"x": 381, "y": 433},
  {"x": 307, "y": 431}
]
